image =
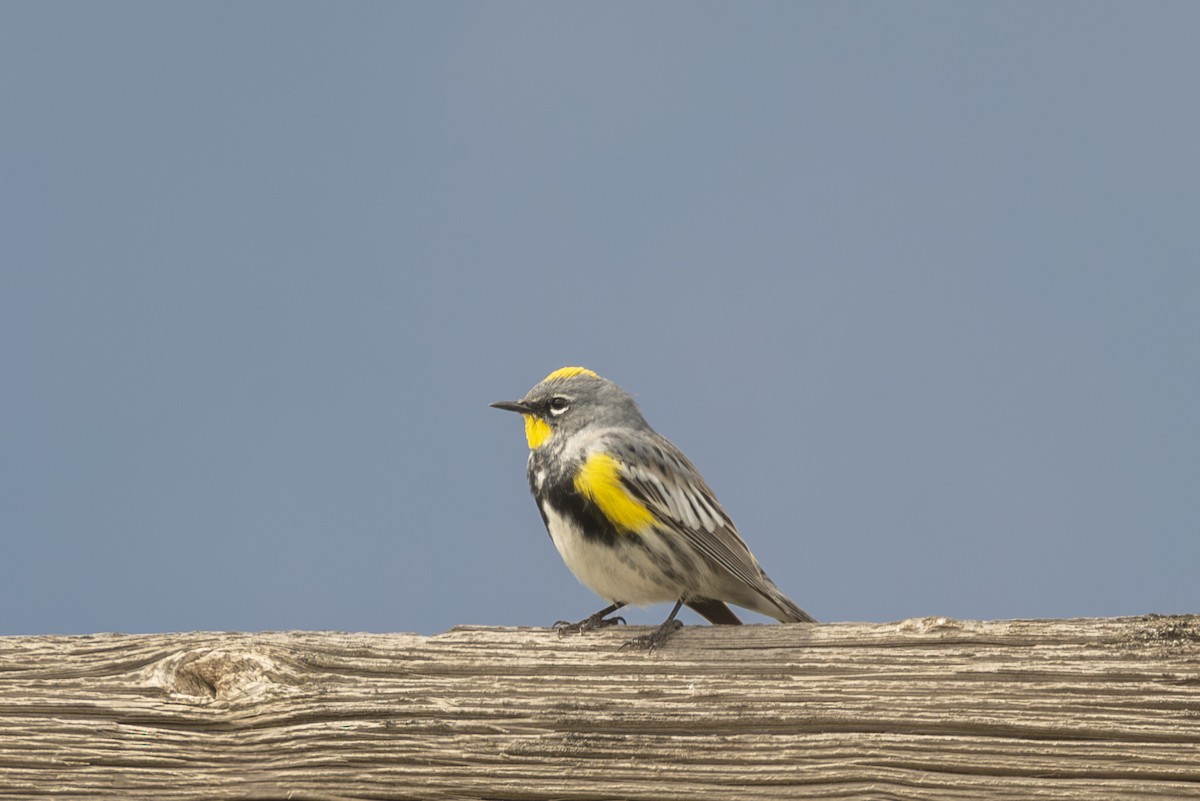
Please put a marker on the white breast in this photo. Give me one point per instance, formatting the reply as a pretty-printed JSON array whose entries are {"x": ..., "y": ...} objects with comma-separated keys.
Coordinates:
[{"x": 614, "y": 574}]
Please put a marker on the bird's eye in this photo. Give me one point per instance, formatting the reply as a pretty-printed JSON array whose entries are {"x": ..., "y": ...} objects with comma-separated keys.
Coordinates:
[{"x": 558, "y": 404}]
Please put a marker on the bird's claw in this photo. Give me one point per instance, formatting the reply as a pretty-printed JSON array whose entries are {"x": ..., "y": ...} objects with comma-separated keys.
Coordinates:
[
  {"x": 656, "y": 638},
  {"x": 566, "y": 627}
]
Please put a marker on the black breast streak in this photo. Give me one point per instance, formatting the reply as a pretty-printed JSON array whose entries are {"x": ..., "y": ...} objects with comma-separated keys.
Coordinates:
[{"x": 568, "y": 503}]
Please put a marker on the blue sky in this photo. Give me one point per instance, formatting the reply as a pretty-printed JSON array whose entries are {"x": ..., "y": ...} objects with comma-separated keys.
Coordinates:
[{"x": 916, "y": 286}]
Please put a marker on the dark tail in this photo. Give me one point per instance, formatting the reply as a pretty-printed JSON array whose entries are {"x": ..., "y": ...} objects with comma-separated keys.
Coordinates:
[
  {"x": 791, "y": 612},
  {"x": 715, "y": 612}
]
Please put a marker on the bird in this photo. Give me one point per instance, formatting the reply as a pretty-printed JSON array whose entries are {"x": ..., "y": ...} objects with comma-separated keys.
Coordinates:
[{"x": 630, "y": 514}]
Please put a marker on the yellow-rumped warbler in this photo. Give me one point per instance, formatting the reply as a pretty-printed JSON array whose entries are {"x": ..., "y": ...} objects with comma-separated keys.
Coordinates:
[{"x": 628, "y": 512}]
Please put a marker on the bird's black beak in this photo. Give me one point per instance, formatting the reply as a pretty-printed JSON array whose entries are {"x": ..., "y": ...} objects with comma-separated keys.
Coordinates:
[{"x": 511, "y": 406}]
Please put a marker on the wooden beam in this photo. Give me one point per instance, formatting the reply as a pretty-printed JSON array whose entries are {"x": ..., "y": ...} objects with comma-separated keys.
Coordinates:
[{"x": 931, "y": 708}]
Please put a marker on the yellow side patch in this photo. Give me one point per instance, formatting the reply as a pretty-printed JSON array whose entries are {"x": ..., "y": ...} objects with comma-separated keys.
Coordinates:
[
  {"x": 537, "y": 431},
  {"x": 568, "y": 372},
  {"x": 599, "y": 480}
]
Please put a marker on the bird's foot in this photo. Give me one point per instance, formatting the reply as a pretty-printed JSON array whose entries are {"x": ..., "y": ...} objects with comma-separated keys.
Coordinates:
[
  {"x": 596, "y": 621},
  {"x": 656, "y": 638}
]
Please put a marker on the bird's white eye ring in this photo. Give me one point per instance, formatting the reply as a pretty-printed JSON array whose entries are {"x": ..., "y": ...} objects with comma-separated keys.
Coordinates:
[{"x": 558, "y": 405}]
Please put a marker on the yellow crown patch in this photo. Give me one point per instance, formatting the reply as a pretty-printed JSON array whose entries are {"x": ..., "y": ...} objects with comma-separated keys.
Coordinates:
[{"x": 569, "y": 372}]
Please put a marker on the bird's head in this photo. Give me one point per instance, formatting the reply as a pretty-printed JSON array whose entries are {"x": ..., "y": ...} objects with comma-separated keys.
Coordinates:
[{"x": 572, "y": 399}]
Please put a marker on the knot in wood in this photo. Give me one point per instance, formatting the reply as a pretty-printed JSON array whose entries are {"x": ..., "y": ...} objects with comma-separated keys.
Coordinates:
[{"x": 218, "y": 674}]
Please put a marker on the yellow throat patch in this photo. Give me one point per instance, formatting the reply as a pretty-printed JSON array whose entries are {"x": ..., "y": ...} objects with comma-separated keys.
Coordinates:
[
  {"x": 537, "y": 431},
  {"x": 600, "y": 481}
]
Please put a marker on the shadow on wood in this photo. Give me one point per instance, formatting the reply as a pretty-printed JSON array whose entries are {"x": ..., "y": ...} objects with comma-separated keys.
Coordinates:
[{"x": 921, "y": 709}]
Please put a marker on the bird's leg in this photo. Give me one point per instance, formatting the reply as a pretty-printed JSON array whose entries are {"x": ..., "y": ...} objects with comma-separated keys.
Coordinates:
[
  {"x": 596, "y": 621},
  {"x": 656, "y": 638}
]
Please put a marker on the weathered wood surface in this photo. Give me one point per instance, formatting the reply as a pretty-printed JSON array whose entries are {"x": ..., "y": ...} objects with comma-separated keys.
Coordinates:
[{"x": 921, "y": 709}]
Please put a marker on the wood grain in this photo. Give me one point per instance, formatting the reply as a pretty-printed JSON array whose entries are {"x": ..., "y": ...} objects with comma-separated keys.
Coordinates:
[{"x": 931, "y": 708}]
